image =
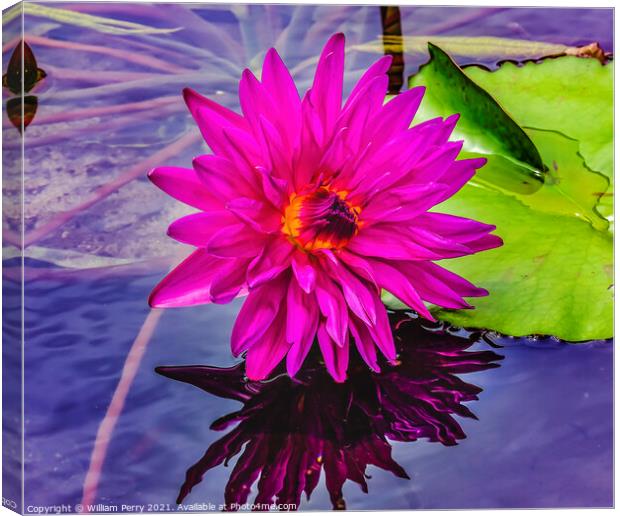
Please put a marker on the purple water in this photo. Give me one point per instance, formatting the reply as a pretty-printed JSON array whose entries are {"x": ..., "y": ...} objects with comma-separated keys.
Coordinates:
[{"x": 543, "y": 437}]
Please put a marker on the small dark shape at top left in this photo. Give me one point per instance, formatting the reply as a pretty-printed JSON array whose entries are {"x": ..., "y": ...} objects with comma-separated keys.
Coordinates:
[{"x": 12, "y": 79}]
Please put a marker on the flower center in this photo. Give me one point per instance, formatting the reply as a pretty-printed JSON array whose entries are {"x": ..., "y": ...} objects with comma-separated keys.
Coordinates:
[{"x": 323, "y": 219}]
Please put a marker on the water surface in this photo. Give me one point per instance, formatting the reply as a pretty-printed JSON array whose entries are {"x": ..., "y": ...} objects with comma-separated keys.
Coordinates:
[{"x": 96, "y": 245}]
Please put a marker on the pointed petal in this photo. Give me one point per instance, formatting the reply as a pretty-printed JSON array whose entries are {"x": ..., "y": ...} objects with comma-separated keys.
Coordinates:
[
  {"x": 275, "y": 150},
  {"x": 197, "y": 229},
  {"x": 267, "y": 353},
  {"x": 378, "y": 69},
  {"x": 385, "y": 241},
  {"x": 357, "y": 294},
  {"x": 189, "y": 283},
  {"x": 301, "y": 326},
  {"x": 397, "y": 114},
  {"x": 440, "y": 286},
  {"x": 211, "y": 118},
  {"x": 257, "y": 314},
  {"x": 184, "y": 185},
  {"x": 459, "y": 173},
  {"x": 278, "y": 82},
  {"x": 275, "y": 189},
  {"x": 391, "y": 279},
  {"x": 304, "y": 271},
  {"x": 336, "y": 357},
  {"x": 260, "y": 216},
  {"x": 381, "y": 332},
  {"x": 219, "y": 176},
  {"x": 435, "y": 165},
  {"x": 364, "y": 343},
  {"x": 326, "y": 92},
  {"x": 403, "y": 203},
  {"x": 472, "y": 234},
  {"x": 229, "y": 282},
  {"x": 236, "y": 240},
  {"x": 333, "y": 307},
  {"x": 275, "y": 258}
]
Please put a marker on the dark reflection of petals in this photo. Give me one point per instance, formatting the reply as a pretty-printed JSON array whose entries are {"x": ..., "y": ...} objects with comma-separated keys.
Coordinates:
[
  {"x": 288, "y": 430},
  {"x": 14, "y": 110}
]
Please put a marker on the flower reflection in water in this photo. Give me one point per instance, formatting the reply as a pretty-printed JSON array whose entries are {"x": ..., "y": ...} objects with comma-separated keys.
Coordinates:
[{"x": 288, "y": 430}]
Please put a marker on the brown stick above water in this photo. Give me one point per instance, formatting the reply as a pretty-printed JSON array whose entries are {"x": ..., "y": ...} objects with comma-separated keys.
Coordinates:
[{"x": 390, "y": 21}]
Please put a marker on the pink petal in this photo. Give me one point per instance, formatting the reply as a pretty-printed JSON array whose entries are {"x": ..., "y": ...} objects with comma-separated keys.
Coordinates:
[
  {"x": 404, "y": 203},
  {"x": 357, "y": 294},
  {"x": 185, "y": 186},
  {"x": 257, "y": 314},
  {"x": 387, "y": 164},
  {"x": 229, "y": 281},
  {"x": 333, "y": 307},
  {"x": 326, "y": 92},
  {"x": 257, "y": 104},
  {"x": 244, "y": 153},
  {"x": 275, "y": 150},
  {"x": 196, "y": 102},
  {"x": 381, "y": 332},
  {"x": 261, "y": 217},
  {"x": 309, "y": 152},
  {"x": 460, "y": 173},
  {"x": 336, "y": 153},
  {"x": 304, "y": 271},
  {"x": 197, "y": 229},
  {"x": 301, "y": 326},
  {"x": 336, "y": 356},
  {"x": 399, "y": 284},
  {"x": 385, "y": 241},
  {"x": 436, "y": 242},
  {"x": 460, "y": 229},
  {"x": 440, "y": 286},
  {"x": 222, "y": 179},
  {"x": 485, "y": 243},
  {"x": 356, "y": 116},
  {"x": 443, "y": 132},
  {"x": 275, "y": 189},
  {"x": 433, "y": 167},
  {"x": 364, "y": 342},
  {"x": 275, "y": 258},
  {"x": 397, "y": 114},
  {"x": 189, "y": 283},
  {"x": 211, "y": 118},
  {"x": 280, "y": 85},
  {"x": 252, "y": 98},
  {"x": 237, "y": 240},
  {"x": 358, "y": 265},
  {"x": 378, "y": 69},
  {"x": 267, "y": 353},
  {"x": 472, "y": 234}
]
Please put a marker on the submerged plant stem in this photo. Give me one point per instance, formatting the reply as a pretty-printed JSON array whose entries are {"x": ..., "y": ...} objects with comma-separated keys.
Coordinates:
[{"x": 108, "y": 423}]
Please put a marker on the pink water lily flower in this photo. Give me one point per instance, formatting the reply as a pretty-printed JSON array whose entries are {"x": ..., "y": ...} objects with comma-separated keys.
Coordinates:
[{"x": 311, "y": 207}]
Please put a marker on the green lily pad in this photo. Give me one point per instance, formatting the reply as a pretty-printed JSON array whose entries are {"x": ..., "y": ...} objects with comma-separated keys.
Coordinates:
[
  {"x": 552, "y": 276},
  {"x": 485, "y": 127},
  {"x": 570, "y": 187},
  {"x": 554, "y": 273},
  {"x": 569, "y": 94}
]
